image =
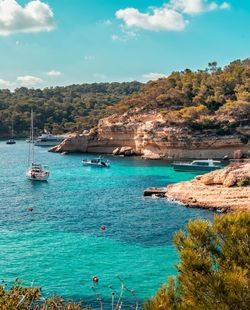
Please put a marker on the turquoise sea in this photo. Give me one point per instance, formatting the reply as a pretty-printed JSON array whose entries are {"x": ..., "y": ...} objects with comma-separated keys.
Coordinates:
[{"x": 60, "y": 245}]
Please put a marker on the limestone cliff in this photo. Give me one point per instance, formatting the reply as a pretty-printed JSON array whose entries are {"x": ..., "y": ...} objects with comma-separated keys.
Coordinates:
[
  {"x": 227, "y": 189},
  {"x": 148, "y": 135}
]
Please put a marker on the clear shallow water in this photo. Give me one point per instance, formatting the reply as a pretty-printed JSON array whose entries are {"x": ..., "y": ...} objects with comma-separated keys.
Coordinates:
[{"x": 60, "y": 245}]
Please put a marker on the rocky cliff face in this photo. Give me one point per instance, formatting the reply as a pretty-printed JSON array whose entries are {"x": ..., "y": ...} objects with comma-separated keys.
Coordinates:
[
  {"x": 148, "y": 135},
  {"x": 227, "y": 189}
]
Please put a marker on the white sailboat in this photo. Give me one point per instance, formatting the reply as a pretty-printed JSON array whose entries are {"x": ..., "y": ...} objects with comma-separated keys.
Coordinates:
[{"x": 36, "y": 171}]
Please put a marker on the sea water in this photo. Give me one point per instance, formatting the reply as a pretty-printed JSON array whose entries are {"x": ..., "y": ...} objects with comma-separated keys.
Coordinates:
[{"x": 60, "y": 244}]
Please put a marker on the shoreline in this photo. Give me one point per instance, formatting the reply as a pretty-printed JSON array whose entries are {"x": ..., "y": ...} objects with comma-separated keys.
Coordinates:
[{"x": 226, "y": 190}]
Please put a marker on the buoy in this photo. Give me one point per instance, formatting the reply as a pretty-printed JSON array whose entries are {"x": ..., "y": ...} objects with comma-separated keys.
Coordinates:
[
  {"x": 95, "y": 279},
  {"x": 30, "y": 209},
  {"x": 103, "y": 227}
]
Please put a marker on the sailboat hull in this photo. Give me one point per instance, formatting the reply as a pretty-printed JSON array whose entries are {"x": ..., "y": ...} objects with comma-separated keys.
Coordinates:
[
  {"x": 33, "y": 176},
  {"x": 11, "y": 142}
]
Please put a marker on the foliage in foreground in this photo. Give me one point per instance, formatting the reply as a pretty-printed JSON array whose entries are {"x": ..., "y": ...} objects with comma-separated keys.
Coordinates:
[
  {"x": 22, "y": 298},
  {"x": 214, "y": 268},
  {"x": 30, "y": 298}
]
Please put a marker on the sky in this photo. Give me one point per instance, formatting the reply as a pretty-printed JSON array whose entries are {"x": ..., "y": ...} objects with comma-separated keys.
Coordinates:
[{"x": 61, "y": 42}]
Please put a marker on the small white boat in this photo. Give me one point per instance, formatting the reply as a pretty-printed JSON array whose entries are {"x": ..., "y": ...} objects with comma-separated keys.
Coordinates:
[
  {"x": 36, "y": 171},
  {"x": 96, "y": 162},
  {"x": 197, "y": 165}
]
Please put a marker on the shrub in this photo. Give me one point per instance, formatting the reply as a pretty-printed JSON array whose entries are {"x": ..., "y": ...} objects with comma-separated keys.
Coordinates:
[
  {"x": 22, "y": 298},
  {"x": 243, "y": 182},
  {"x": 214, "y": 268}
]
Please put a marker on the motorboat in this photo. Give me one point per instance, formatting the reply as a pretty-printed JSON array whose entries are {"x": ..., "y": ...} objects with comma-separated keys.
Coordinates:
[
  {"x": 47, "y": 139},
  {"x": 35, "y": 171},
  {"x": 38, "y": 172},
  {"x": 11, "y": 141},
  {"x": 96, "y": 162},
  {"x": 197, "y": 165}
]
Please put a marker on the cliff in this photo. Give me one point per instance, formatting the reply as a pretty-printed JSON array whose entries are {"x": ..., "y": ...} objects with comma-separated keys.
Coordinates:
[
  {"x": 150, "y": 136},
  {"x": 189, "y": 114},
  {"x": 227, "y": 189}
]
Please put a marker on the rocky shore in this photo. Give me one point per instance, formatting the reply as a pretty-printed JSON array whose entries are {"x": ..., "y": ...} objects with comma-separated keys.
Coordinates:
[{"x": 227, "y": 189}]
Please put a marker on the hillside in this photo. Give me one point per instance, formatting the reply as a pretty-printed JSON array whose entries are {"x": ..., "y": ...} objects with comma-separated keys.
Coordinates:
[
  {"x": 214, "y": 98},
  {"x": 186, "y": 115},
  {"x": 60, "y": 109}
]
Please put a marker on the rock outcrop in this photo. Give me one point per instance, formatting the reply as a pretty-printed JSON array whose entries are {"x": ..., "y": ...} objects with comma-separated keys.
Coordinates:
[
  {"x": 227, "y": 189},
  {"x": 124, "y": 151},
  {"x": 150, "y": 136}
]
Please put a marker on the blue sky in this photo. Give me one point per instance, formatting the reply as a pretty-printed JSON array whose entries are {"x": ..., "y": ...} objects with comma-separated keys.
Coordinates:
[{"x": 59, "y": 42}]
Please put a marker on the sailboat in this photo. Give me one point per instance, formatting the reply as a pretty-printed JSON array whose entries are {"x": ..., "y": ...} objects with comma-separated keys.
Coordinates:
[
  {"x": 11, "y": 140},
  {"x": 36, "y": 171}
]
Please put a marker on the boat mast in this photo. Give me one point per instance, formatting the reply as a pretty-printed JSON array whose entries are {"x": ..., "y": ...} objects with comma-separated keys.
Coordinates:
[
  {"x": 32, "y": 136},
  {"x": 12, "y": 129}
]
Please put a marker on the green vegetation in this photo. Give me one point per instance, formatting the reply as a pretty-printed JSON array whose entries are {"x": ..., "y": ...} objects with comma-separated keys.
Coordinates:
[
  {"x": 243, "y": 182},
  {"x": 211, "y": 99},
  {"x": 22, "y": 298},
  {"x": 214, "y": 98},
  {"x": 60, "y": 109},
  {"x": 214, "y": 268}
]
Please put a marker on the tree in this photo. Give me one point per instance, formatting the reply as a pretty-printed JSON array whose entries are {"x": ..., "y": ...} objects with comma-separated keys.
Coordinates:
[
  {"x": 214, "y": 268},
  {"x": 212, "y": 66}
]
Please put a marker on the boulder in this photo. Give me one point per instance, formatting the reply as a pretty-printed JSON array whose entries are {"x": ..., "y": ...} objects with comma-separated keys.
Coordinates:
[
  {"x": 127, "y": 151},
  {"x": 116, "y": 151},
  {"x": 124, "y": 150},
  {"x": 230, "y": 180},
  {"x": 238, "y": 154},
  {"x": 221, "y": 176}
]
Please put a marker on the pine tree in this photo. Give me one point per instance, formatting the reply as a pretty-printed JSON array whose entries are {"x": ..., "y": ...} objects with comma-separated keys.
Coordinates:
[{"x": 214, "y": 268}]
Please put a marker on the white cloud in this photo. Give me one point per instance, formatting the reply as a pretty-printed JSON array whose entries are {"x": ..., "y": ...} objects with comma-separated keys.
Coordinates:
[
  {"x": 89, "y": 57},
  {"x": 35, "y": 16},
  {"x": 160, "y": 19},
  {"x": 125, "y": 35},
  {"x": 169, "y": 17},
  {"x": 196, "y": 6},
  {"x": 225, "y": 6},
  {"x": 54, "y": 73},
  {"x": 5, "y": 83},
  {"x": 29, "y": 80},
  {"x": 152, "y": 76},
  {"x": 107, "y": 22}
]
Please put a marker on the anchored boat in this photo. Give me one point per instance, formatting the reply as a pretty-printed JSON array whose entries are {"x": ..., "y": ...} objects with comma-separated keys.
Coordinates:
[
  {"x": 47, "y": 139},
  {"x": 96, "y": 162},
  {"x": 197, "y": 165},
  {"x": 11, "y": 140},
  {"x": 36, "y": 171}
]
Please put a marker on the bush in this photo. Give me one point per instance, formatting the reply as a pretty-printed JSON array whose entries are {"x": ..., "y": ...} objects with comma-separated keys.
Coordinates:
[
  {"x": 23, "y": 298},
  {"x": 214, "y": 268},
  {"x": 243, "y": 182}
]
